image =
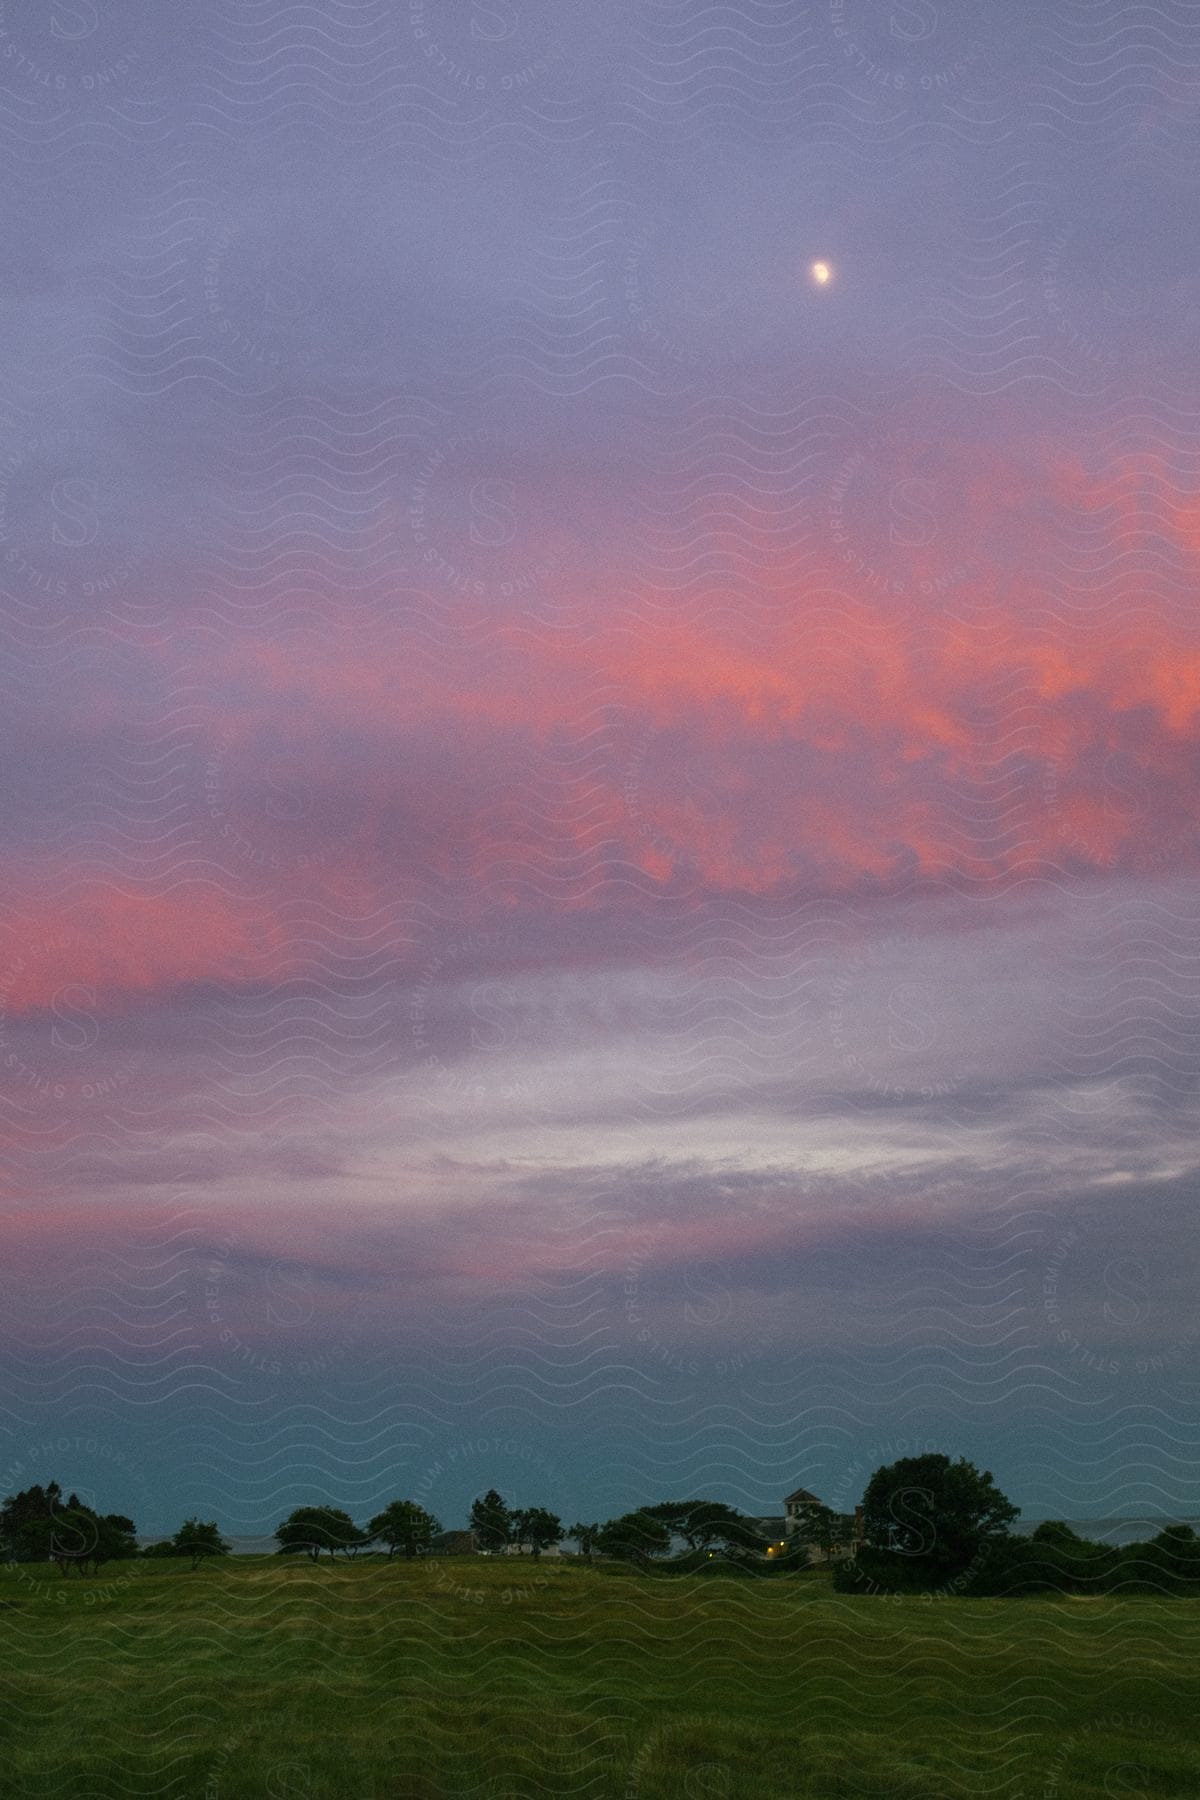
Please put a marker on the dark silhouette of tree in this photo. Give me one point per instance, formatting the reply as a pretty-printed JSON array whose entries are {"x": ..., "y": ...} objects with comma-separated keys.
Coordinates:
[
  {"x": 312, "y": 1529},
  {"x": 706, "y": 1524},
  {"x": 585, "y": 1536},
  {"x": 491, "y": 1521},
  {"x": 1171, "y": 1560},
  {"x": 938, "y": 1512},
  {"x": 818, "y": 1528},
  {"x": 38, "y": 1525},
  {"x": 403, "y": 1525},
  {"x": 199, "y": 1539},
  {"x": 671, "y": 1513},
  {"x": 100, "y": 1538},
  {"x": 1053, "y": 1531},
  {"x": 26, "y": 1522},
  {"x": 635, "y": 1537},
  {"x": 534, "y": 1526}
]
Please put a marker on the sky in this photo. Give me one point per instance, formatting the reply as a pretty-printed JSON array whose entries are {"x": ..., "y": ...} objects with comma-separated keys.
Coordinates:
[{"x": 598, "y": 842}]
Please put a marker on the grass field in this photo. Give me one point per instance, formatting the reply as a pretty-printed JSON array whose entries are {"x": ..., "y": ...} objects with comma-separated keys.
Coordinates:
[{"x": 256, "y": 1679}]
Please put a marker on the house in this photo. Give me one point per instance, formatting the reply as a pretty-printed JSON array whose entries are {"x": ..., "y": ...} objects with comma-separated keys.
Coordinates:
[{"x": 796, "y": 1505}]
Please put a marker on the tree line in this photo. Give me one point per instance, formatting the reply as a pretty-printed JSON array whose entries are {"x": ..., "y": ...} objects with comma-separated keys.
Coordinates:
[
  {"x": 40, "y": 1524},
  {"x": 408, "y": 1528},
  {"x": 926, "y": 1525}
]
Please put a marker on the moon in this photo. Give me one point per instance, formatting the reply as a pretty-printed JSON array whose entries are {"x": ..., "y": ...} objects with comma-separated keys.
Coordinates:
[{"x": 821, "y": 273}]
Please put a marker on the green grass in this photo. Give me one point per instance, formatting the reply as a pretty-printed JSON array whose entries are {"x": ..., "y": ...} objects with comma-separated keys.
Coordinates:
[{"x": 256, "y": 1679}]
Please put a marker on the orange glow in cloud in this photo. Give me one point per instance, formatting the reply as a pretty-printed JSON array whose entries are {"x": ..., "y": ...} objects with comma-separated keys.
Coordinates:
[
  {"x": 913, "y": 706},
  {"x": 840, "y": 737},
  {"x": 125, "y": 944}
]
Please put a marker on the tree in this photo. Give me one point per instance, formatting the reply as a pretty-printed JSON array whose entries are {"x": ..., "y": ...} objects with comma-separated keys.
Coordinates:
[
  {"x": 585, "y": 1536},
  {"x": 706, "y": 1524},
  {"x": 711, "y": 1523},
  {"x": 38, "y": 1525},
  {"x": 199, "y": 1538},
  {"x": 1053, "y": 1531},
  {"x": 671, "y": 1513},
  {"x": 539, "y": 1529},
  {"x": 635, "y": 1537},
  {"x": 83, "y": 1536},
  {"x": 491, "y": 1521},
  {"x": 821, "y": 1529},
  {"x": 26, "y": 1522},
  {"x": 1173, "y": 1557},
  {"x": 403, "y": 1525},
  {"x": 1053, "y": 1557},
  {"x": 311, "y": 1529},
  {"x": 938, "y": 1512},
  {"x": 79, "y": 1535}
]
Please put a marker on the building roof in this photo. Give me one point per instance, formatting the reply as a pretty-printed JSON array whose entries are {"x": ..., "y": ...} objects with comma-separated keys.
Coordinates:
[{"x": 801, "y": 1496}]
